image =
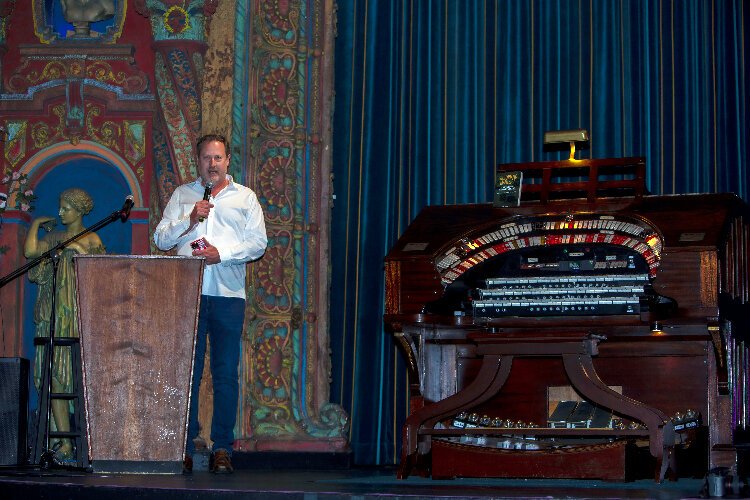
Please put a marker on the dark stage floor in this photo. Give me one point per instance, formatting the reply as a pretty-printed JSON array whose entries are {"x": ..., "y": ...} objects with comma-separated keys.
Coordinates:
[{"x": 357, "y": 483}]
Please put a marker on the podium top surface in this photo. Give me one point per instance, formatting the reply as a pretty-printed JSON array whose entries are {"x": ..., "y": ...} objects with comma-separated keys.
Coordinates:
[{"x": 137, "y": 257}]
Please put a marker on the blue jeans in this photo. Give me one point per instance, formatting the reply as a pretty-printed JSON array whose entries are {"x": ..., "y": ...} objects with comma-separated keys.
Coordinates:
[{"x": 220, "y": 319}]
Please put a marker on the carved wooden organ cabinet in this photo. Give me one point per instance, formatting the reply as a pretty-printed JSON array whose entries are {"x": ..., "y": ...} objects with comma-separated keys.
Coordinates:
[{"x": 589, "y": 331}]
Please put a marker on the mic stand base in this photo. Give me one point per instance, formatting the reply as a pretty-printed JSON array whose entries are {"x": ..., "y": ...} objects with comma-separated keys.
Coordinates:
[{"x": 48, "y": 460}]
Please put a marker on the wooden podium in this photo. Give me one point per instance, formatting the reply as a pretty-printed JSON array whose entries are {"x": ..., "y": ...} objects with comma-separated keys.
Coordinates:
[{"x": 138, "y": 317}]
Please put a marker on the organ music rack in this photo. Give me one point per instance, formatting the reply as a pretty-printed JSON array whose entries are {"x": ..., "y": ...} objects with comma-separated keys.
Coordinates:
[{"x": 491, "y": 308}]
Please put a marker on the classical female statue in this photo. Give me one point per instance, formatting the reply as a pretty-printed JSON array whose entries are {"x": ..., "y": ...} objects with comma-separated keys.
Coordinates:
[{"x": 74, "y": 204}]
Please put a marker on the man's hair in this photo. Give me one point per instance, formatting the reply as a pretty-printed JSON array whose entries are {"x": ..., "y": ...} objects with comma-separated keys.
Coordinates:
[{"x": 211, "y": 137}]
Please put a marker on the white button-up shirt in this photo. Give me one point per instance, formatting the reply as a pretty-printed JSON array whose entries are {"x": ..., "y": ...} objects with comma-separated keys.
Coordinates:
[{"x": 235, "y": 227}]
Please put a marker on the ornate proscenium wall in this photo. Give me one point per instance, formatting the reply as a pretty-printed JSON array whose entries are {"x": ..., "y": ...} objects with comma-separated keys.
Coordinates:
[
  {"x": 99, "y": 90},
  {"x": 280, "y": 136},
  {"x": 67, "y": 99}
]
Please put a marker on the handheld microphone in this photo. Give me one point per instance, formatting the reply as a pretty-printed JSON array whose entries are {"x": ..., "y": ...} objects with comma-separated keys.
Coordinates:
[
  {"x": 206, "y": 196},
  {"x": 125, "y": 210}
]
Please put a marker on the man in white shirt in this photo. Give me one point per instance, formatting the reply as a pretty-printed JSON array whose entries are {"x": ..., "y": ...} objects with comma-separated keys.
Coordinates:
[{"x": 216, "y": 218}]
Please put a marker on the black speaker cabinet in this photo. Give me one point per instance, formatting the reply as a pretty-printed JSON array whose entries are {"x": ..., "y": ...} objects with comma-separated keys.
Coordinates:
[{"x": 14, "y": 398}]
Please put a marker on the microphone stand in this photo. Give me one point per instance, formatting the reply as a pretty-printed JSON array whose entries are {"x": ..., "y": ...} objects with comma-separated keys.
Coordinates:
[{"x": 46, "y": 458}]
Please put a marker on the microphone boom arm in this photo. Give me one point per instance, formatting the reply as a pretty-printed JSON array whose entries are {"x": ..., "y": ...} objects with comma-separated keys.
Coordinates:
[{"x": 117, "y": 214}]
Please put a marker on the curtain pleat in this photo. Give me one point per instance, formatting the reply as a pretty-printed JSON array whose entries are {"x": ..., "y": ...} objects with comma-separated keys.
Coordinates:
[{"x": 430, "y": 95}]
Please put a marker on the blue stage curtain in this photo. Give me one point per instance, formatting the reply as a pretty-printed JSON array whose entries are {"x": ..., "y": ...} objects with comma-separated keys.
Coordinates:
[{"x": 431, "y": 94}]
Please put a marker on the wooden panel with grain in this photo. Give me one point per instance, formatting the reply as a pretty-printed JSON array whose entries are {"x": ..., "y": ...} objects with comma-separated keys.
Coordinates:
[{"x": 138, "y": 317}]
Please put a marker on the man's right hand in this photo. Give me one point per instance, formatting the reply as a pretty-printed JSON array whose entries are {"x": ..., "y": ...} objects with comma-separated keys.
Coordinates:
[{"x": 201, "y": 209}]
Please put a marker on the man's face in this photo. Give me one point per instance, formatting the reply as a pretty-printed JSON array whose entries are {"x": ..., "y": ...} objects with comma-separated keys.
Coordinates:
[{"x": 213, "y": 163}]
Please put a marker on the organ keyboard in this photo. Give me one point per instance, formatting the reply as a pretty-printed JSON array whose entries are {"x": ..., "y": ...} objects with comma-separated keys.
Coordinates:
[
  {"x": 558, "y": 296},
  {"x": 635, "y": 304}
]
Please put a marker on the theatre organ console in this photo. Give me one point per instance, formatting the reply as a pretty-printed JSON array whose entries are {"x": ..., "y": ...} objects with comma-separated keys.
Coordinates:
[{"x": 574, "y": 334}]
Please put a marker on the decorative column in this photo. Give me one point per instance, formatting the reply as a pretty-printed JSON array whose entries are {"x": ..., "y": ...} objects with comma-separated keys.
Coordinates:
[
  {"x": 179, "y": 29},
  {"x": 12, "y": 233},
  {"x": 284, "y": 108}
]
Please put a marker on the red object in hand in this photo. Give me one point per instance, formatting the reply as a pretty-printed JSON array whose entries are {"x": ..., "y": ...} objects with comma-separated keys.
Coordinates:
[{"x": 199, "y": 244}]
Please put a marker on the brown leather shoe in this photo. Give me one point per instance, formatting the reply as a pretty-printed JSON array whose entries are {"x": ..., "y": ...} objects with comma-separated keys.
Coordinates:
[
  {"x": 187, "y": 465},
  {"x": 221, "y": 462}
]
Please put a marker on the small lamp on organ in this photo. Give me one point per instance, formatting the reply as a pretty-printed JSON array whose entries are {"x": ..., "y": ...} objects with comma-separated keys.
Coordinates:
[{"x": 570, "y": 136}]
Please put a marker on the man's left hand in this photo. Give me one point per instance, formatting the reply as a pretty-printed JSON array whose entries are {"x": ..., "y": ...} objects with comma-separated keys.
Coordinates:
[{"x": 211, "y": 253}]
